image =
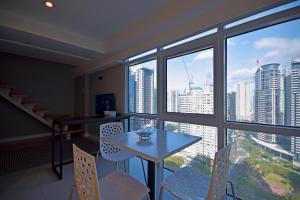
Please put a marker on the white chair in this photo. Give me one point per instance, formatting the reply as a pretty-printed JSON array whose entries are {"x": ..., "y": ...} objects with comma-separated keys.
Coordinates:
[
  {"x": 186, "y": 184},
  {"x": 110, "y": 152},
  {"x": 115, "y": 186}
]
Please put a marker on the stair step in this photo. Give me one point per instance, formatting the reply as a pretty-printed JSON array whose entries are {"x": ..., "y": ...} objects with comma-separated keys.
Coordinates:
[
  {"x": 29, "y": 105},
  {"x": 7, "y": 86},
  {"x": 18, "y": 97},
  {"x": 41, "y": 112},
  {"x": 5, "y": 91},
  {"x": 15, "y": 94}
]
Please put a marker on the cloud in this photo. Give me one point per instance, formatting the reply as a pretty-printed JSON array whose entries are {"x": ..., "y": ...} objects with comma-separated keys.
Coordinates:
[
  {"x": 204, "y": 55},
  {"x": 242, "y": 74},
  {"x": 271, "y": 54},
  {"x": 279, "y": 48}
]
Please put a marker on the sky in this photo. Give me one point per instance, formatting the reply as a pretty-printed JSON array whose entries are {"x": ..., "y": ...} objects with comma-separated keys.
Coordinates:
[
  {"x": 199, "y": 67},
  {"x": 275, "y": 44}
]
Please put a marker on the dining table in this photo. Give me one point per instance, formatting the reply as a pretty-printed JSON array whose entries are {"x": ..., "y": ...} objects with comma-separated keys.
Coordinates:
[{"x": 155, "y": 148}]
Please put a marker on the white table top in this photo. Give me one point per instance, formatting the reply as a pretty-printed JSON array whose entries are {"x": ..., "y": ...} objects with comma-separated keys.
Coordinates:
[{"x": 161, "y": 145}]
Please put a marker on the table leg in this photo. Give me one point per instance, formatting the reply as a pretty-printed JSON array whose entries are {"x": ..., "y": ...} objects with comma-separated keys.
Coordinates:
[
  {"x": 52, "y": 144},
  {"x": 151, "y": 179},
  {"x": 61, "y": 152},
  {"x": 155, "y": 176}
]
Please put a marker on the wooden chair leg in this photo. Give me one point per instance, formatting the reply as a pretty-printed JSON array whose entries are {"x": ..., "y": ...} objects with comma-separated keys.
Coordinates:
[{"x": 70, "y": 196}]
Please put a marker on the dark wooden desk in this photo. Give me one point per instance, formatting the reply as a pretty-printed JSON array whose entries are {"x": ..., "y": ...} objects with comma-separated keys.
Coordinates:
[{"x": 73, "y": 121}]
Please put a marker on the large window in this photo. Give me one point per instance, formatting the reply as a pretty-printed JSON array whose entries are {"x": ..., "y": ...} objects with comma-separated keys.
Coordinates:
[
  {"x": 190, "y": 83},
  {"x": 142, "y": 87},
  {"x": 242, "y": 81},
  {"x": 200, "y": 155},
  {"x": 262, "y": 170},
  {"x": 263, "y": 76}
]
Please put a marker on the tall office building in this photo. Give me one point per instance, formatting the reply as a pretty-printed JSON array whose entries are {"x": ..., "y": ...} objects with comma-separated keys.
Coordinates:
[
  {"x": 231, "y": 114},
  {"x": 141, "y": 95},
  {"x": 231, "y": 106},
  {"x": 268, "y": 107},
  {"x": 295, "y": 107},
  {"x": 243, "y": 101},
  {"x": 199, "y": 100},
  {"x": 131, "y": 91},
  {"x": 172, "y": 101},
  {"x": 144, "y": 90},
  {"x": 287, "y": 97}
]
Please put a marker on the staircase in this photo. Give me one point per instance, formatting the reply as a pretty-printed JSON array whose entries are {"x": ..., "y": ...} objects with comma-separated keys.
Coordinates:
[{"x": 41, "y": 114}]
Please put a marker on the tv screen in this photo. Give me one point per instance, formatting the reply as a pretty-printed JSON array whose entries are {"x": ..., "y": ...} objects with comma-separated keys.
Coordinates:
[{"x": 105, "y": 102}]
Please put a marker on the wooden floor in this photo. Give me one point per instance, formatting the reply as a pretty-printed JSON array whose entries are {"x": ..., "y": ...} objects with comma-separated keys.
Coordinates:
[{"x": 20, "y": 156}]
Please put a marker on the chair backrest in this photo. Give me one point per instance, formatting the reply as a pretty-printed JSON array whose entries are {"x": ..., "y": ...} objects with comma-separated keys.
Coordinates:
[
  {"x": 85, "y": 173},
  {"x": 108, "y": 129},
  {"x": 219, "y": 177}
]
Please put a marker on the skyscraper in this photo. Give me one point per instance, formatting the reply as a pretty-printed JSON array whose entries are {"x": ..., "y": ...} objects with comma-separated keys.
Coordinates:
[
  {"x": 172, "y": 101},
  {"x": 268, "y": 89},
  {"x": 243, "y": 101},
  {"x": 231, "y": 114},
  {"x": 141, "y": 95},
  {"x": 295, "y": 107},
  {"x": 199, "y": 100},
  {"x": 131, "y": 91},
  {"x": 295, "y": 93},
  {"x": 231, "y": 106},
  {"x": 144, "y": 90}
]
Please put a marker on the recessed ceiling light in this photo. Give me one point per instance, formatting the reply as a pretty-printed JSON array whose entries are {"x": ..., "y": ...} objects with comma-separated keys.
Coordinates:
[{"x": 49, "y": 4}]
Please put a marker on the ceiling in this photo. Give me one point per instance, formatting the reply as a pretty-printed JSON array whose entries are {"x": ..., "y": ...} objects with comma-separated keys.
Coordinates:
[{"x": 94, "y": 34}]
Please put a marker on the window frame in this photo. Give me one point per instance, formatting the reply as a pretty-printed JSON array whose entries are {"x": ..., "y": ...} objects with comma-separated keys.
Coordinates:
[
  {"x": 197, "y": 46},
  {"x": 129, "y": 64},
  {"x": 218, "y": 41},
  {"x": 247, "y": 27}
]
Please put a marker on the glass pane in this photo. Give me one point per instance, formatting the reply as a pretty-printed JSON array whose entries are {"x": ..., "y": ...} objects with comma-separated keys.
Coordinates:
[
  {"x": 190, "y": 83},
  {"x": 265, "y": 171},
  {"x": 265, "y": 13},
  {"x": 191, "y": 38},
  {"x": 137, "y": 123},
  {"x": 198, "y": 156},
  {"x": 263, "y": 76},
  {"x": 142, "y": 87}
]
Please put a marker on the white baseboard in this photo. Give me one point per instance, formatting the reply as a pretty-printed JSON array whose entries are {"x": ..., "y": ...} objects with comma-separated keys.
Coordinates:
[{"x": 27, "y": 137}]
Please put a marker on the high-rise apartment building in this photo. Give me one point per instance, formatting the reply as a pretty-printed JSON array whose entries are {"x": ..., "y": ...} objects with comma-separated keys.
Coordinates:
[
  {"x": 268, "y": 106},
  {"x": 199, "y": 100},
  {"x": 243, "y": 101},
  {"x": 172, "y": 102}
]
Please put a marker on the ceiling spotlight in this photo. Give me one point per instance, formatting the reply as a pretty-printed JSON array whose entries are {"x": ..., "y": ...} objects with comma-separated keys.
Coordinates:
[{"x": 49, "y": 4}]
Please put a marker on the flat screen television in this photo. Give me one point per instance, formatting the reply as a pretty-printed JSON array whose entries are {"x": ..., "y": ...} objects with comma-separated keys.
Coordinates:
[{"x": 105, "y": 102}]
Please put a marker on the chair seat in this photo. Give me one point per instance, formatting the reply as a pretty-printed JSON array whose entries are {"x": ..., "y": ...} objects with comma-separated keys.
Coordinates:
[
  {"x": 119, "y": 186},
  {"x": 118, "y": 156},
  {"x": 186, "y": 184}
]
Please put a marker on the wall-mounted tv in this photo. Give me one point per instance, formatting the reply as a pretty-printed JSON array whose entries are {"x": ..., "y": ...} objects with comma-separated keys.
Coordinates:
[{"x": 105, "y": 102}]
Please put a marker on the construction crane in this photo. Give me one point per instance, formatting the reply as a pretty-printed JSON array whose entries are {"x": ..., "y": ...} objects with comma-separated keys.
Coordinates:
[{"x": 188, "y": 74}]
